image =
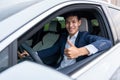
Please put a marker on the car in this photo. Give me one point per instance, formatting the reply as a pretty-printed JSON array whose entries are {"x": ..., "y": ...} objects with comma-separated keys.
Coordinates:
[{"x": 35, "y": 25}]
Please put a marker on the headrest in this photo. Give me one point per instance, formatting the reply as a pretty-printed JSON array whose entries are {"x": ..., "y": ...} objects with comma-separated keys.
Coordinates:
[
  {"x": 84, "y": 25},
  {"x": 54, "y": 26}
]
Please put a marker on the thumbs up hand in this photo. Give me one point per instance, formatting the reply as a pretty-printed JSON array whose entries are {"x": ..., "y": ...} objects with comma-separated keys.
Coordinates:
[
  {"x": 70, "y": 43},
  {"x": 73, "y": 52}
]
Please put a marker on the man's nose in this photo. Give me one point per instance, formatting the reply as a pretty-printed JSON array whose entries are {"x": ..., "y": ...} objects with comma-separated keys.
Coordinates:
[{"x": 71, "y": 24}]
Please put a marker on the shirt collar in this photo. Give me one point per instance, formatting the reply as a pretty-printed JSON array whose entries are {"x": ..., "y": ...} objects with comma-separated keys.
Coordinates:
[{"x": 74, "y": 36}]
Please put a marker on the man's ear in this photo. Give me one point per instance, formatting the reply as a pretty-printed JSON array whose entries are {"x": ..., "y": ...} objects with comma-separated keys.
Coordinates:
[{"x": 79, "y": 22}]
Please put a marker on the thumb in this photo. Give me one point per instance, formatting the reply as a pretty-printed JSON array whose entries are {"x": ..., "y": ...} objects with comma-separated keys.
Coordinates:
[{"x": 70, "y": 43}]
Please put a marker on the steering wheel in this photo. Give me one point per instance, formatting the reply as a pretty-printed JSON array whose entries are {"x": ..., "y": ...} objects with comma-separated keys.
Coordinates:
[{"x": 32, "y": 53}]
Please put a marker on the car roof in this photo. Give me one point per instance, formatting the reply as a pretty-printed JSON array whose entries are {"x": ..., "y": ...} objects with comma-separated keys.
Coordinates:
[
  {"x": 10, "y": 7},
  {"x": 17, "y": 13}
]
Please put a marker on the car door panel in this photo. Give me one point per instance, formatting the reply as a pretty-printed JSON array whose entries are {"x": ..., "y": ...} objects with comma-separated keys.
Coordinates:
[{"x": 102, "y": 67}]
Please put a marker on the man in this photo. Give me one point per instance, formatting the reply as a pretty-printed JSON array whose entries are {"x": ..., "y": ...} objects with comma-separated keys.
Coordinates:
[{"x": 75, "y": 45}]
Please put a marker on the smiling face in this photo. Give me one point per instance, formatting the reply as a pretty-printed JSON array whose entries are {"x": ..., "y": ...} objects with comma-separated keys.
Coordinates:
[{"x": 72, "y": 24}]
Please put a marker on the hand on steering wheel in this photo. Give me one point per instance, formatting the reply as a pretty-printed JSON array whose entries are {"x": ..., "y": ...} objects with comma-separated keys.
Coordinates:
[
  {"x": 32, "y": 53},
  {"x": 22, "y": 54}
]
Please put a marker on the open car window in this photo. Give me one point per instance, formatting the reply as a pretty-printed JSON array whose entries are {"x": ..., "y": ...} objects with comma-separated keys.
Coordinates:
[{"x": 46, "y": 33}]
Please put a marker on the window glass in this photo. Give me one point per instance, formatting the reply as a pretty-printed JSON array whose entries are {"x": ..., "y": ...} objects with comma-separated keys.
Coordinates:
[
  {"x": 4, "y": 59},
  {"x": 94, "y": 22},
  {"x": 95, "y": 27},
  {"x": 62, "y": 21}
]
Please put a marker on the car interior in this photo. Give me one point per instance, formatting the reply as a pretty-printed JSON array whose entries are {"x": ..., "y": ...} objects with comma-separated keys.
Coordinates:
[{"x": 43, "y": 36}]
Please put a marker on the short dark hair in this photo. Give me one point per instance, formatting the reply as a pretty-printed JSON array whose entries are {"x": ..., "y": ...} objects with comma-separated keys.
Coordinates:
[{"x": 72, "y": 14}]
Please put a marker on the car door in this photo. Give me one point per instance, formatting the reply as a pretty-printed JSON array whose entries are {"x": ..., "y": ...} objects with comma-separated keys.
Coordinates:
[{"x": 102, "y": 68}]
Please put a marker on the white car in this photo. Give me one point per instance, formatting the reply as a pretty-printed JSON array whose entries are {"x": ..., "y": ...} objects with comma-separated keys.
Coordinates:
[{"x": 35, "y": 23}]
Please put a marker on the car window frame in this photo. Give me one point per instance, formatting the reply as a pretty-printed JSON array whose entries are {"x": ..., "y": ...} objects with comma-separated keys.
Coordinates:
[
  {"x": 70, "y": 8},
  {"x": 12, "y": 55},
  {"x": 114, "y": 23}
]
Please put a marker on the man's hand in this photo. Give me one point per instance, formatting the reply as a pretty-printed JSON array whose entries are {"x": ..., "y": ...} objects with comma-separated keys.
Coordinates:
[
  {"x": 74, "y": 52},
  {"x": 23, "y": 54}
]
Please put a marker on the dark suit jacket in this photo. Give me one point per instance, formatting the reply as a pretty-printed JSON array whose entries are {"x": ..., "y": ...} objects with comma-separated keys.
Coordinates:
[{"x": 83, "y": 39}]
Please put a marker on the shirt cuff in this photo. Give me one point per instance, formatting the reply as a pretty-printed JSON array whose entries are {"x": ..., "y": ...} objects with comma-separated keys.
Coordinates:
[
  {"x": 92, "y": 49},
  {"x": 36, "y": 53}
]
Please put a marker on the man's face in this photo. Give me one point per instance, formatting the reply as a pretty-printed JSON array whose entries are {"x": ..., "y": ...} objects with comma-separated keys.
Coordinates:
[{"x": 72, "y": 25}]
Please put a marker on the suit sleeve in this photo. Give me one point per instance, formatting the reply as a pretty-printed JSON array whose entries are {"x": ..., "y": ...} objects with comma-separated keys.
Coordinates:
[{"x": 100, "y": 43}]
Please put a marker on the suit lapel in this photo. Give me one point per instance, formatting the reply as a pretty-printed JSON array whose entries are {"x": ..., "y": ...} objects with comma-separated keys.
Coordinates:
[
  {"x": 79, "y": 44},
  {"x": 63, "y": 43},
  {"x": 78, "y": 39}
]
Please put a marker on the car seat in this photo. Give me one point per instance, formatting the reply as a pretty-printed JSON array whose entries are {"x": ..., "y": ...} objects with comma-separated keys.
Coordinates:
[{"x": 50, "y": 37}]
